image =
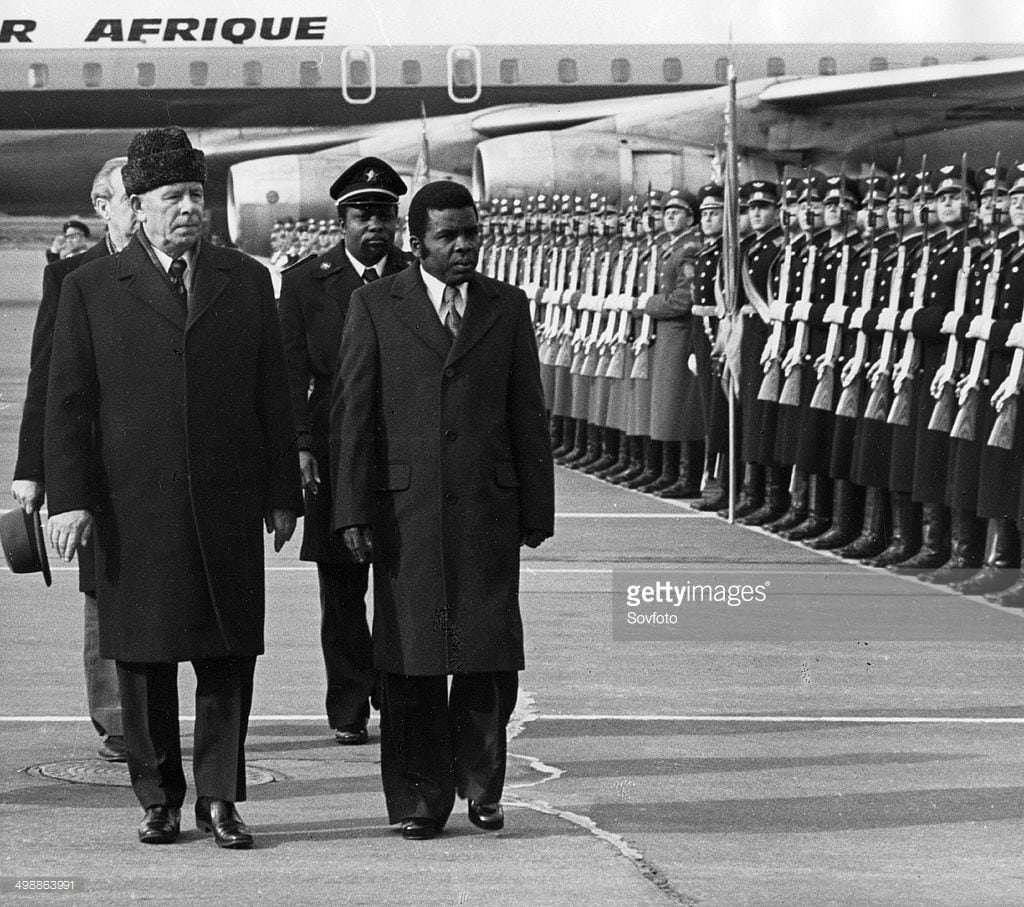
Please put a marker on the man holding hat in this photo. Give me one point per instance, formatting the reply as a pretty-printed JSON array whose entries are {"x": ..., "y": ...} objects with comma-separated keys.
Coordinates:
[
  {"x": 168, "y": 442},
  {"x": 314, "y": 300}
]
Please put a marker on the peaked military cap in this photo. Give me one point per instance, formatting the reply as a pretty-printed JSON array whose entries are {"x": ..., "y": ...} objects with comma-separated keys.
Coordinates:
[
  {"x": 813, "y": 187},
  {"x": 369, "y": 181},
  {"x": 875, "y": 188},
  {"x": 950, "y": 179},
  {"x": 74, "y": 224},
  {"x": 841, "y": 187},
  {"x": 679, "y": 198},
  {"x": 792, "y": 186},
  {"x": 759, "y": 192},
  {"x": 1017, "y": 179},
  {"x": 991, "y": 180},
  {"x": 710, "y": 195}
]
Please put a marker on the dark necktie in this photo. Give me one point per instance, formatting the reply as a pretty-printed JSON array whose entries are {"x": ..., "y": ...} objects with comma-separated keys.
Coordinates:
[
  {"x": 452, "y": 320},
  {"x": 370, "y": 275},
  {"x": 177, "y": 274}
]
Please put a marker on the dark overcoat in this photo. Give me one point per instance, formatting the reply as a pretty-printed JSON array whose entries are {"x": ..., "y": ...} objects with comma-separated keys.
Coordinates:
[
  {"x": 178, "y": 436},
  {"x": 30, "y": 464},
  {"x": 314, "y": 300},
  {"x": 443, "y": 449}
]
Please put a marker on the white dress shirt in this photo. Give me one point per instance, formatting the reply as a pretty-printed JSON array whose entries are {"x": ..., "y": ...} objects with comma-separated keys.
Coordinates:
[{"x": 435, "y": 290}]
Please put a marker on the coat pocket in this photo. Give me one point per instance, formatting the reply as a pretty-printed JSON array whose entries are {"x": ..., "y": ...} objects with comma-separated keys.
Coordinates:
[
  {"x": 397, "y": 477},
  {"x": 505, "y": 475}
]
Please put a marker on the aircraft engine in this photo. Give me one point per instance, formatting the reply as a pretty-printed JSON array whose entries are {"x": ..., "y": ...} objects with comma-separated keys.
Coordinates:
[{"x": 582, "y": 162}]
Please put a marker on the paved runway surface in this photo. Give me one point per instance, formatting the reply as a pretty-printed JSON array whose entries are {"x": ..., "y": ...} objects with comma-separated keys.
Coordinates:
[{"x": 852, "y": 738}]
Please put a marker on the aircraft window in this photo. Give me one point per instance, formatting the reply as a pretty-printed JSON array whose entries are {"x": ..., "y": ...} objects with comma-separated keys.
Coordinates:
[
  {"x": 930, "y": 61},
  {"x": 776, "y": 67},
  {"x": 92, "y": 75},
  {"x": 463, "y": 74},
  {"x": 252, "y": 73},
  {"x": 827, "y": 66},
  {"x": 309, "y": 73},
  {"x": 722, "y": 69},
  {"x": 567, "y": 70},
  {"x": 198, "y": 73},
  {"x": 358, "y": 75},
  {"x": 412, "y": 72},
  {"x": 877, "y": 64},
  {"x": 38, "y": 75},
  {"x": 508, "y": 71},
  {"x": 621, "y": 70},
  {"x": 146, "y": 73},
  {"x": 672, "y": 69}
]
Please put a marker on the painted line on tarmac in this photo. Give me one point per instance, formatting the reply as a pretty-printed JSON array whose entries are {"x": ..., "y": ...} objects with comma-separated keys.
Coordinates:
[
  {"x": 789, "y": 719},
  {"x": 633, "y": 516}
]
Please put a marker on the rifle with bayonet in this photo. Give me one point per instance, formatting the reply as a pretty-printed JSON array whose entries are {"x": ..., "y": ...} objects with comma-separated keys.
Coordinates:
[
  {"x": 771, "y": 356},
  {"x": 793, "y": 364},
  {"x": 822, "y": 398},
  {"x": 549, "y": 289},
  {"x": 943, "y": 387},
  {"x": 851, "y": 377},
  {"x": 903, "y": 377},
  {"x": 642, "y": 345},
  {"x": 621, "y": 316},
  {"x": 569, "y": 300}
]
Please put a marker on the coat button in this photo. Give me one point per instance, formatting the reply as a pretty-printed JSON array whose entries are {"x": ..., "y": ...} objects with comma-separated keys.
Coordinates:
[
  {"x": 449, "y": 372},
  {"x": 451, "y": 434},
  {"x": 451, "y": 498}
]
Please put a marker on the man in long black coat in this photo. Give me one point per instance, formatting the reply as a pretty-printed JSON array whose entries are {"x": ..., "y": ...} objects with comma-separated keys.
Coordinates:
[
  {"x": 29, "y": 485},
  {"x": 168, "y": 443},
  {"x": 443, "y": 470},
  {"x": 314, "y": 299}
]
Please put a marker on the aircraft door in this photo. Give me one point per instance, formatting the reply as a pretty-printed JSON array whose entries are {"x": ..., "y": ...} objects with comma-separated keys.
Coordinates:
[
  {"x": 464, "y": 81},
  {"x": 358, "y": 74},
  {"x": 660, "y": 170}
]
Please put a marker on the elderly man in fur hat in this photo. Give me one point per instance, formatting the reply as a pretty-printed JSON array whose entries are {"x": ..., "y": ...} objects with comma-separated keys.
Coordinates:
[{"x": 168, "y": 443}]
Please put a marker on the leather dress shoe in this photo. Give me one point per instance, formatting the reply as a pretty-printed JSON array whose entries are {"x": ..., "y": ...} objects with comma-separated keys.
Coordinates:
[
  {"x": 418, "y": 828},
  {"x": 160, "y": 825},
  {"x": 351, "y": 735},
  {"x": 113, "y": 749},
  {"x": 488, "y": 816},
  {"x": 221, "y": 818}
]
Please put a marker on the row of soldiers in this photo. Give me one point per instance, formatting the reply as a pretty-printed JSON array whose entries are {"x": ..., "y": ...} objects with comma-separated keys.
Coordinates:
[
  {"x": 873, "y": 353},
  {"x": 292, "y": 240}
]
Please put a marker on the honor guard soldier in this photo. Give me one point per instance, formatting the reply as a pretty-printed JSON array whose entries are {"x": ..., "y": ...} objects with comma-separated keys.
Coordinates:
[
  {"x": 314, "y": 301},
  {"x": 983, "y": 533},
  {"x": 1001, "y": 492},
  {"x": 945, "y": 281},
  {"x": 764, "y": 497}
]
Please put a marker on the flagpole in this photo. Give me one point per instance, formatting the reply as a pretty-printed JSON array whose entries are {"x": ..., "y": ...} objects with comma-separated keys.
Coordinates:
[{"x": 731, "y": 260}]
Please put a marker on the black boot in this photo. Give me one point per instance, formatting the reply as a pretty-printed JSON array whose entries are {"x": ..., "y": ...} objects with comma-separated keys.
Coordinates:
[
  {"x": 776, "y": 499},
  {"x": 691, "y": 471},
  {"x": 1012, "y": 597},
  {"x": 671, "y": 451},
  {"x": 653, "y": 451},
  {"x": 627, "y": 453},
  {"x": 637, "y": 447},
  {"x": 556, "y": 427},
  {"x": 751, "y": 495},
  {"x": 594, "y": 451},
  {"x": 906, "y": 532},
  {"x": 847, "y": 512},
  {"x": 716, "y": 492},
  {"x": 873, "y": 537},
  {"x": 797, "y": 511},
  {"x": 819, "y": 511},
  {"x": 966, "y": 549},
  {"x": 609, "y": 452},
  {"x": 568, "y": 437},
  {"x": 934, "y": 541},
  {"x": 1002, "y": 561},
  {"x": 579, "y": 448}
]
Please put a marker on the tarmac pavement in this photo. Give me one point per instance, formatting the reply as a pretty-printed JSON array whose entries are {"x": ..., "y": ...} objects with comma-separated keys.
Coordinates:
[{"x": 852, "y": 738}]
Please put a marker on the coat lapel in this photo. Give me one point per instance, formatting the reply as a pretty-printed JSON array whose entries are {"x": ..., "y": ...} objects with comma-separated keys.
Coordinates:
[
  {"x": 211, "y": 279},
  {"x": 147, "y": 284},
  {"x": 482, "y": 310},
  {"x": 414, "y": 309}
]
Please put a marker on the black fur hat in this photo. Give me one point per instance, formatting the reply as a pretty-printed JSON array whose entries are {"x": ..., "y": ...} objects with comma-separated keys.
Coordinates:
[{"x": 161, "y": 156}]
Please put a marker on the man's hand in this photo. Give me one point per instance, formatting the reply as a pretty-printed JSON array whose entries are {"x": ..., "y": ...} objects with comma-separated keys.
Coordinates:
[
  {"x": 28, "y": 494},
  {"x": 282, "y": 524},
  {"x": 68, "y": 530},
  {"x": 887, "y": 319},
  {"x": 907, "y": 320},
  {"x": 980, "y": 328},
  {"x": 532, "y": 538},
  {"x": 359, "y": 541},
  {"x": 310, "y": 472},
  {"x": 949, "y": 323}
]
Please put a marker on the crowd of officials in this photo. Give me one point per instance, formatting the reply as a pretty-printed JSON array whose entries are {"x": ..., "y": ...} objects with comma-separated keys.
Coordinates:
[{"x": 873, "y": 353}]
